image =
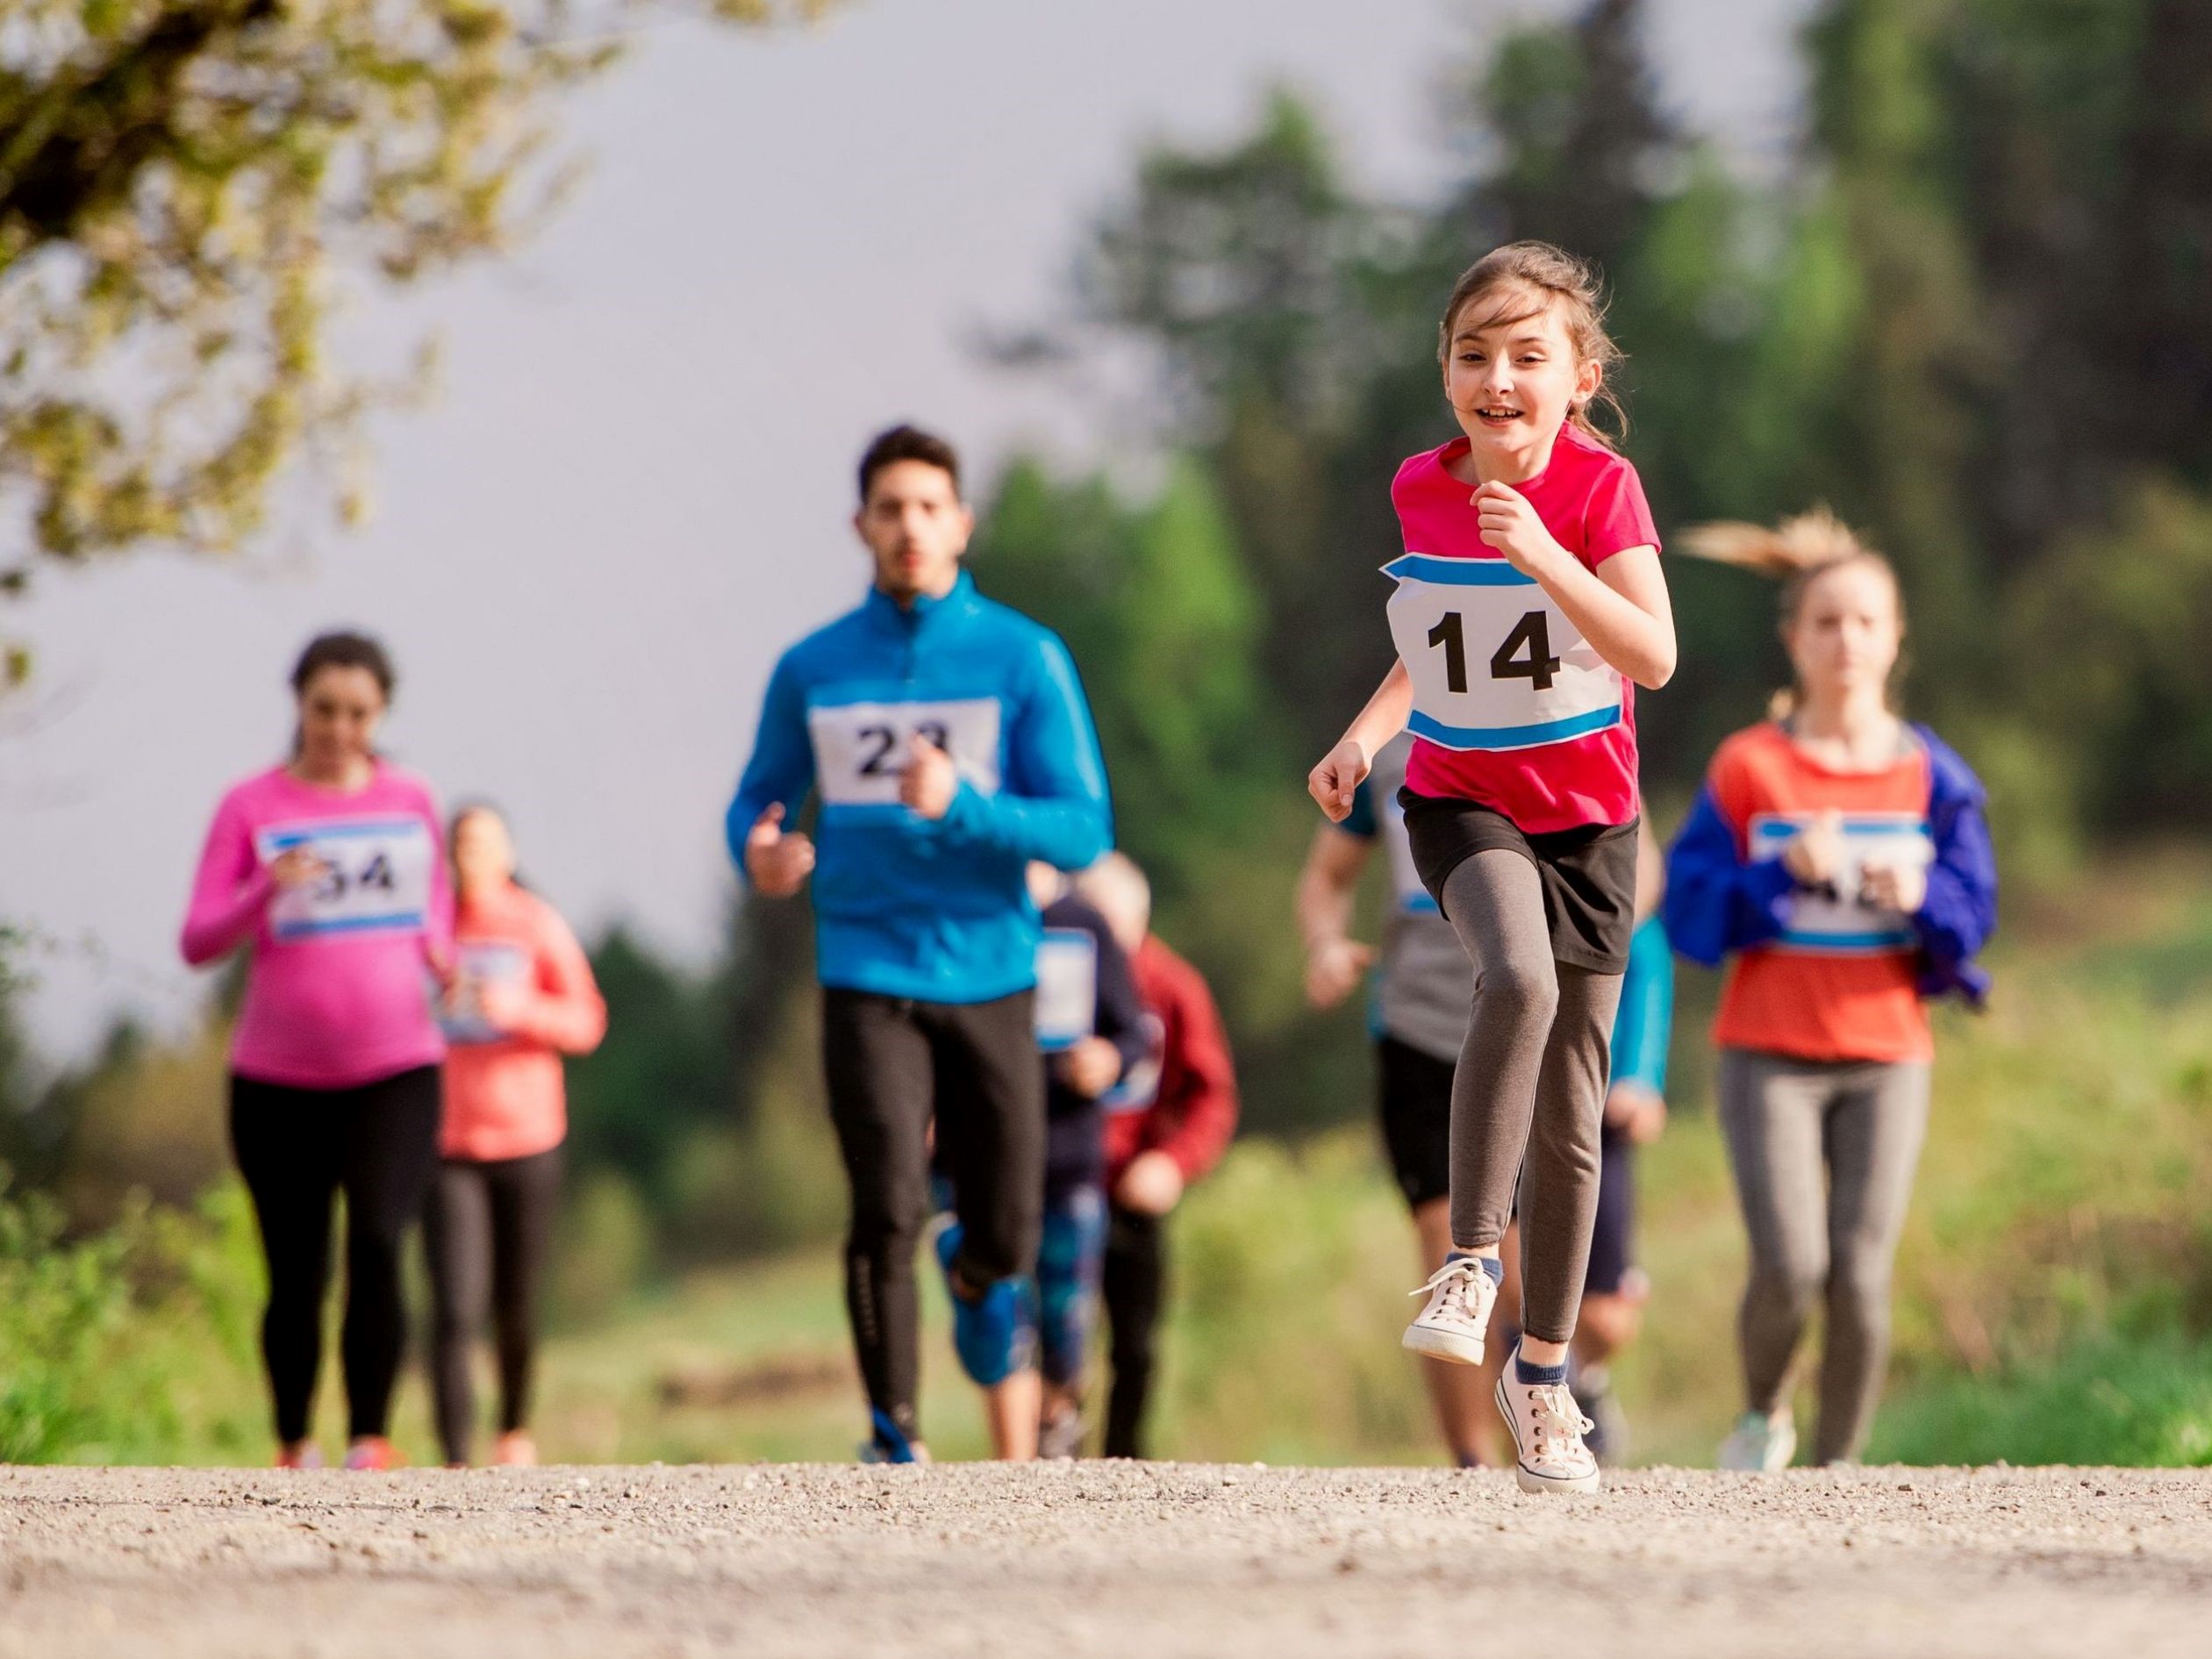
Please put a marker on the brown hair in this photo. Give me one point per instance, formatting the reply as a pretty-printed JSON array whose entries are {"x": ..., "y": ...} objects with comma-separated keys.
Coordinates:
[
  {"x": 1527, "y": 279},
  {"x": 1800, "y": 551},
  {"x": 908, "y": 443},
  {"x": 341, "y": 649}
]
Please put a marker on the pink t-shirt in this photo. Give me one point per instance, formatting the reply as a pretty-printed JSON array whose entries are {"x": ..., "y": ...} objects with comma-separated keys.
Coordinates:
[
  {"x": 1592, "y": 501},
  {"x": 338, "y": 988}
]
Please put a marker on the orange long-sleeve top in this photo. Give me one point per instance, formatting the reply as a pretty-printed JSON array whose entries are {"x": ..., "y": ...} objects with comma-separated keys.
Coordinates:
[{"x": 505, "y": 1096}]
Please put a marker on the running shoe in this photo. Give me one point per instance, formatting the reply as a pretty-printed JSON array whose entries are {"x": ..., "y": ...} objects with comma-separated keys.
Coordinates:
[
  {"x": 515, "y": 1449},
  {"x": 989, "y": 1332},
  {"x": 374, "y": 1452},
  {"x": 1550, "y": 1455},
  {"x": 1760, "y": 1443},
  {"x": 1607, "y": 1435},
  {"x": 1461, "y": 1294},
  {"x": 301, "y": 1454},
  {"x": 1060, "y": 1437},
  {"x": 887, "y": 1445}
]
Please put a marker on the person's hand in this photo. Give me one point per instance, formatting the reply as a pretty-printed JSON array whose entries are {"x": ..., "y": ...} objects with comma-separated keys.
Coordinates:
[
  {"x": 929, "y": 781},
  {"x": 1510, "y": 524},
  {"x": 502, "y": 1003},
  {"x": 1342, "y": 769},
  {"x": 1814, "y": 854},
  {"x": 297, "y": 866},
  {"x": 1636, "y": 1111},
  {"x": 777, "y": 862},
  {"x": 1901, "y": 886},
  {"x": 1089, "y": 1066},
  {"x": 1151, "y": 1185},
  {"x": 1333, "y": 969}
]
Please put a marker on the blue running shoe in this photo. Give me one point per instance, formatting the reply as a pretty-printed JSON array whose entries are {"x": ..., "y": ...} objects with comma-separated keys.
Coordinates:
[
  {"x": 888, "y": 1445},
  {"x": 990, "y": 1334}
]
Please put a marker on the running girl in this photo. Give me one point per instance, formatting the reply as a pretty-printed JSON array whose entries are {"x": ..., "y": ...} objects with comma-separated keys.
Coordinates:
[
  {"x": 1529, "y": 596},
  {"x": 1840, "y": 856},
  {"x": 522, "y": 997},
  {"x": 326, "y": 869}
]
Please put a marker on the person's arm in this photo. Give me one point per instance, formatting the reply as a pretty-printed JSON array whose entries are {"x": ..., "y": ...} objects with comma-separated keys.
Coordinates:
[
  {"x": 1959, "y": 910},
  {"x": 1120, "y": 1018},
  {"x": 437, "y": 933},
  {"x": 567, "y": 1011},
  {"x": 1326, "y": 884},
  {"x": 1054, "y": 806},
  {"x": 1716, "y": 901},
  {"x": 775, "y": 784},
  {"x": 230, "y": 891},
  {"x": 1333, "y": 783},
  {"x": 1203, "y": 1108}
]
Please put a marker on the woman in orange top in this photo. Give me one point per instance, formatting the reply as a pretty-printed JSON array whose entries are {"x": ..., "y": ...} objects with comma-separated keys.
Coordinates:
[
  {"x": 1841, "y": 857},
  {"x": 523, "y": 998}
]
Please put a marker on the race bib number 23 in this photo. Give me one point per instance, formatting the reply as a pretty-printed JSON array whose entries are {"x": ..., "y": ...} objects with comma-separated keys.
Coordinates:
[
  {"x": 1494, "y": 662},
  {"x": 861, "y": 749}
]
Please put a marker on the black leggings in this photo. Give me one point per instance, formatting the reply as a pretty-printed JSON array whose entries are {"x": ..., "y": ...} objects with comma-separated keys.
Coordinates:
[
  {"x": 488, "y": 1229},
  {"x": 297, "y": 1149},
  {"x": 892, "y": 1064},
  {"x": 1135, "y": 1286}
]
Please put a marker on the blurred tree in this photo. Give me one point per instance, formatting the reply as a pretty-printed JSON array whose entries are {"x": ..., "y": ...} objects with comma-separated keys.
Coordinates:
[{"x": 183, "y": 185}]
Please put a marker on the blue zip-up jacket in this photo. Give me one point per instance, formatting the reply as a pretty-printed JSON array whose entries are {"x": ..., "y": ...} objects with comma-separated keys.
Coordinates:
[
  {"x": 903, "y": 906},
  {"x": 1717, "y": 903}
]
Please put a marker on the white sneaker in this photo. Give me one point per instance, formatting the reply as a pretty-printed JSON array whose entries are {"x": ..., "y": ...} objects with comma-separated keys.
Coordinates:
[
  {"x": 1461, "y": 1294},
  {"x": 1760, "y": 1443},
  {"x": 1548, "y": 1428}
]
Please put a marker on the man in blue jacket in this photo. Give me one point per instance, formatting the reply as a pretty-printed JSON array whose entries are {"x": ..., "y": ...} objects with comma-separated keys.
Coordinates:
[{"x": 948, "y": 743}]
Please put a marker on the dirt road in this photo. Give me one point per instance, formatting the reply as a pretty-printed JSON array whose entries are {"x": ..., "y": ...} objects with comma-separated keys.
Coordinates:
[{"x": 1099, "y": 1559}]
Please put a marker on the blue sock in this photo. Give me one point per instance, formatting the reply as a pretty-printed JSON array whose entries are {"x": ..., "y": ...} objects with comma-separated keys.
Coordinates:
[
  {"x": 1491, "y": 1264},
  {"x": 1533, "y": 1376}
]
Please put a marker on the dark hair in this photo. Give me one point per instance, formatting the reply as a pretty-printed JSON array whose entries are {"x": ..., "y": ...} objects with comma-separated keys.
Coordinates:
[
  {"x": 473, "y": 807},
  {"x": 908, "y": 443},
  {"x": 341, "y": 649}
]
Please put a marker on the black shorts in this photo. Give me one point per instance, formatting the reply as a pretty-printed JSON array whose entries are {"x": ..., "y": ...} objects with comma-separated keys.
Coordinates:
[
  {"x": 1588, "y": 873},
  {"x": 1415, "y": 1109}
]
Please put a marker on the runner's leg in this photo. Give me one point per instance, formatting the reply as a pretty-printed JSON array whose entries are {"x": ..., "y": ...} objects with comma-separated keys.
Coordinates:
[
  {"x": 1874, "y": 1131},
  {"x": 526, "y": 1192},
  {"x": 877, "y": 1062},
  {"x": 990, "y": 1133},
  {"x": 1559, "y": 1197},
  {"x": 1771, "y": 1112},
  {"x": 1134, "y": 1281},
  {"x": 457, "y": 1238},
  {"x": 392, "y": 1157},
  {"x": 287, "y": 1147}
]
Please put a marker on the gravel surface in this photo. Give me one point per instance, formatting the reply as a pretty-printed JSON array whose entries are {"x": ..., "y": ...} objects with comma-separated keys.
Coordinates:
[{"x": 1101, "y": 1558}]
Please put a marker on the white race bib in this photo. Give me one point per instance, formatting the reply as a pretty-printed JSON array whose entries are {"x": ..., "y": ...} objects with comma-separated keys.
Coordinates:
[
  {"x": 1838, "y": 920},
  {"x": 1494, "y": 661},
  {"x": 1138, "y": 1089},
  {"x": 377, "y": 880},
  {"x": 1067, "y": 988},
  {"x": 859, "y": 748},
  {"x": 480, "y": 962}
]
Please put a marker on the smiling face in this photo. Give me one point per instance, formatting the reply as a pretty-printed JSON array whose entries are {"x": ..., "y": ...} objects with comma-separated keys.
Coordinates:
[
  {"x": 1512, "y": 375},
  {"x": 1845, "y": 634},
  {"x": 916, "y": 526},
  {"x": 339, "y": 709}
]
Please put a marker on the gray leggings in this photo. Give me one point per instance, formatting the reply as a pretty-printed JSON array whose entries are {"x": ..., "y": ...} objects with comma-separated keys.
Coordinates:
[
  {"x": 1789, "y": 1124},
  {"x": 1530, "y": 1084}
]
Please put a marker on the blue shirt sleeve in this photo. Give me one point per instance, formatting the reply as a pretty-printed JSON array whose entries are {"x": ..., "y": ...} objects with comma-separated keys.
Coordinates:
[
  {"x": 1959, "y": 913},
  {"x": 781, "y": 769},
  {"x": 1644, "y": 1025},
  {"x": 1053, "y": 806},
  {"x": 1716, "y": 902}
]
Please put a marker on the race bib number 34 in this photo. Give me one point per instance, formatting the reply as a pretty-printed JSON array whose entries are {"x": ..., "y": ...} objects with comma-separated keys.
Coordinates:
[
  {"x": 376, "y": 876},
  {"x": 1495, "y": 664},
  {"x": 861, "y": 749}
]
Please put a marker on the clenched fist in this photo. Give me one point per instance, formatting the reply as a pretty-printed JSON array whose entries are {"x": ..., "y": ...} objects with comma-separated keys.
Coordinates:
[{"x": 777, "y": 862}]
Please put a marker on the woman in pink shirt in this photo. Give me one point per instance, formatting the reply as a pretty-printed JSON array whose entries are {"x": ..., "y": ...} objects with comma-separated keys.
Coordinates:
[
  {"x": 325, "y": 868},
  {"x": 522, "y": 996}
]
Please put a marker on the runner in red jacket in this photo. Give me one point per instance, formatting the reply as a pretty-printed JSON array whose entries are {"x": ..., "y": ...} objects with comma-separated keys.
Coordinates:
[{"x": 1166, "y": 1126}]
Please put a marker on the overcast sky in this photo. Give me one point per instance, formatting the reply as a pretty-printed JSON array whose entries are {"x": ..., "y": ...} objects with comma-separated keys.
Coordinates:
[{"x": 631, "y": 491}]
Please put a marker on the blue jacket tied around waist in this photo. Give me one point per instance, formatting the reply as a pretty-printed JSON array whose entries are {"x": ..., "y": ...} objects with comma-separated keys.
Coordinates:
[
  {"x": 939, "y": 911},
  {"x": 1717, "y": 903}
]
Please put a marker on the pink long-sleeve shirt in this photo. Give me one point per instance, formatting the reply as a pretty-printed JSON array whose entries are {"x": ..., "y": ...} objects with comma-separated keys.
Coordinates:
[
  {"x": 505, "y": 1094},
  {"x": 338, "y": 986}
]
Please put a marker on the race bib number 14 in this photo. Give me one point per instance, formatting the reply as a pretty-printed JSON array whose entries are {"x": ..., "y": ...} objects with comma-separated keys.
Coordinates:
[
  {"x": 376, "y": 876},
  {"x": 1494, "y": 662}
]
